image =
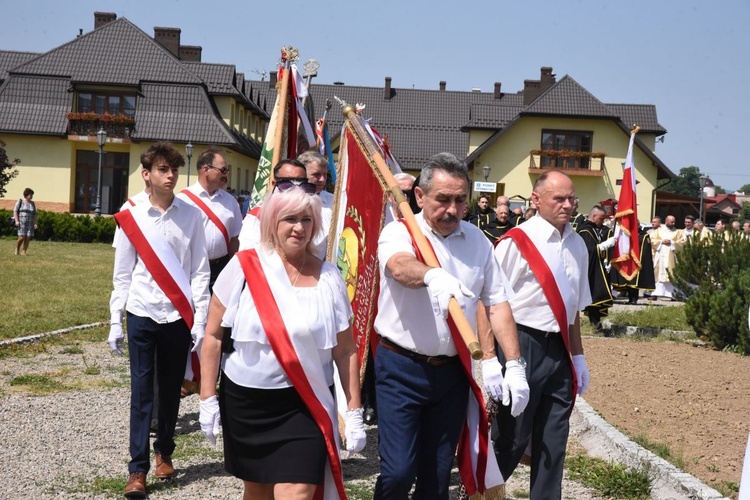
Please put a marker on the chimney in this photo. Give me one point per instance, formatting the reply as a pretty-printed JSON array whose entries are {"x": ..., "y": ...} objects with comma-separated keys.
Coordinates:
[
  {"x": 387, "y": 90},
  {"x": 191, "y": 53},
  {"x": 442, "y": 85},
  {"x": 273, "y": 78},
  {"x": 531, "y": 90},
  {"x": 498, "y": 94},
  {"x": 102, "y": 18},
  {"x": 169, "y": 38},
  {"x": 547, "y": 79}
]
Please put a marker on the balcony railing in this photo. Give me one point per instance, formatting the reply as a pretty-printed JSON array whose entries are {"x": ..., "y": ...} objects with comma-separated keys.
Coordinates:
[
  {"x": 88, "y": 124},
  {"x": 573, "y": 162}
]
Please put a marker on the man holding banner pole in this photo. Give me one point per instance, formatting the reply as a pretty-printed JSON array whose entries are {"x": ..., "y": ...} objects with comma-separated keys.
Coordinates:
[{"x": 425, "y": 396}]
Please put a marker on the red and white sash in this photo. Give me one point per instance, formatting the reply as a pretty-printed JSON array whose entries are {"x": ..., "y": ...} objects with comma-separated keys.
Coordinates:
[
  {"x": 477, "y": 464},
  {"x": 296, "y": 351},
  {"x": 159, "y": 259},
  {"x": 554, "y": 283},
  {"x": 209, "y": 213}
]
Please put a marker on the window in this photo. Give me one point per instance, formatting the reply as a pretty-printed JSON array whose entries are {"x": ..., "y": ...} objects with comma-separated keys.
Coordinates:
[
  {"x": 115, "y": 168},
  {"x": 112, "y": 103},
  {"x": 562, "y": 140}
]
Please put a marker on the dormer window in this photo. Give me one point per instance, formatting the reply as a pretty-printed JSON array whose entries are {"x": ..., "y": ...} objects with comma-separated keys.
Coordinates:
[{"x": 106, "y": 102}]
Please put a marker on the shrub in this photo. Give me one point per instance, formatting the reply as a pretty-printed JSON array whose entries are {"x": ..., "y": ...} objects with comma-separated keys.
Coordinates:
[
  {"x": 714, "y": 276},
  {"x": 54, "y": 226}
]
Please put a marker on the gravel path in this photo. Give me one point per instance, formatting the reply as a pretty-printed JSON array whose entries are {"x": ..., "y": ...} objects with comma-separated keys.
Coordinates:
[{"x": 74, "y": 443}]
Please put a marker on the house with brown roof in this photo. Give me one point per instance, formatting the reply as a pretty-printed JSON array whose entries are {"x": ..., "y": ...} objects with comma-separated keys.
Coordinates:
[
  {"x": 140, "y": 90},
  {"x": 550, "y": 124}
]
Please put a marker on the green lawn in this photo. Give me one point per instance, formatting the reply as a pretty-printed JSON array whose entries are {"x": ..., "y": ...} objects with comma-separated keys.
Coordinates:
[{"x": 57, "y": 285}]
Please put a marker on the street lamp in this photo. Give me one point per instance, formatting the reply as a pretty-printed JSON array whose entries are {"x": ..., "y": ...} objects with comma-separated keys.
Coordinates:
[
  {"x": 702, "y": 180},
  {"x": 486, "y": 169},
  {"x": 101, "y": 138},
  {"x": 189, "y": 152}
]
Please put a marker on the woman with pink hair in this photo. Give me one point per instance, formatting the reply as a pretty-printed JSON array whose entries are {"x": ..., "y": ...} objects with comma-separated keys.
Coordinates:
[{"x": 289, "y": 317}]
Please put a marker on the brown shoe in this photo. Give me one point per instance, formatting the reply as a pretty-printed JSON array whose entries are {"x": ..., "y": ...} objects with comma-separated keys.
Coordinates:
[
  {"x": 164, "y": 467},
  {"x": 136, "y": 487}
]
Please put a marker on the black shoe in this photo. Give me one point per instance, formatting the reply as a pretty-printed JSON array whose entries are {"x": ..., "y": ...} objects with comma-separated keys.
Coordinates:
[{"x": 370, "y": 417}]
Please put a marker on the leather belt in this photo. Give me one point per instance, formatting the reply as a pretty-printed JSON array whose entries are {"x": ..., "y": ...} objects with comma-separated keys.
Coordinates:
[
  {"x": 213, "y": 262},
  {"x": 534, "y": 331},
  {"x": 422, "y": 358}
]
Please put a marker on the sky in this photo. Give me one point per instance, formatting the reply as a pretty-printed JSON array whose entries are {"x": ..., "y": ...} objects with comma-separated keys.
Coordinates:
[{"x": 689, "y": 58}]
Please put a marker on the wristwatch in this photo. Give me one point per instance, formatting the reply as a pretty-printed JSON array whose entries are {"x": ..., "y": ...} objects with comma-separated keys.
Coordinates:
[{"x": 519, "y": 360}]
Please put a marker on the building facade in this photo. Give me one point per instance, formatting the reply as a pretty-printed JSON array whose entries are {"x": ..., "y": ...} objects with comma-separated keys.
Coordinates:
[{"x": 140, "y": 90}]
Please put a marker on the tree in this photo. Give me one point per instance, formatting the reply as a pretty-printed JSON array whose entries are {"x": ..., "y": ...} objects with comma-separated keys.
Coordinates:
[
  {"x": 7, "y": 169},
  {"x": 744, "y": 189},
  {"x": 687, "y": 182}
]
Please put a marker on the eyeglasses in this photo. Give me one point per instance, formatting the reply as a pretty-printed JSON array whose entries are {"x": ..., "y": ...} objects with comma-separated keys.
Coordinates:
[
  {"x": 287, "y": 183},
  {"x": 222, "y": 170}
]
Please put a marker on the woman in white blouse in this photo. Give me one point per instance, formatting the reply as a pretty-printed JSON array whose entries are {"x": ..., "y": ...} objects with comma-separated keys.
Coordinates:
[{"x": 289, "y": 317}]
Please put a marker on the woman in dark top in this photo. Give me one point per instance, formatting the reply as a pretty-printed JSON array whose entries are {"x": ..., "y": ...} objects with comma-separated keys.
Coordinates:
[{"x": 24, "y": 214}]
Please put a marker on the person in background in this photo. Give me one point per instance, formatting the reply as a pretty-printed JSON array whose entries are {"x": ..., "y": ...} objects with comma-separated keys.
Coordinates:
[
  {"x": 220, "y": 213},
  {"x": 665, "y": 240},
  {"x": 576, "y": 218},
  {"x": 595, "y": 235},
  {"x": 25, "y": 215},
  {"x": 317, "y": 174},
  {"x": 289, "y": 316}
]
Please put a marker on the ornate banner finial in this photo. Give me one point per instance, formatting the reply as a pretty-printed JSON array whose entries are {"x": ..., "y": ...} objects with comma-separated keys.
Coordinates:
[{"x": 289, "y": 54}]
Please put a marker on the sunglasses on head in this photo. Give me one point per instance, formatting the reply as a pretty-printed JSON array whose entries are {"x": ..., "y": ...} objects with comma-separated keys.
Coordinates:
[{"x": 286, "y": 183}]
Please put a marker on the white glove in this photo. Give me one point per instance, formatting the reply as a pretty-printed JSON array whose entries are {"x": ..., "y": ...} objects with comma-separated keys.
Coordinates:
[
  {"x": 607, "y": 244},
  {"x": 442, "y": 286},
  {"x": 515, "y": 387},
  {"x": 210, "y": 419},
  {"x": 198, "y": 332},
  {"x": 492, "y": 376},
  {"x": 115, "y": 339},
  {"x": 356, "y": 439},
  {"x": 582, "y": 373}
]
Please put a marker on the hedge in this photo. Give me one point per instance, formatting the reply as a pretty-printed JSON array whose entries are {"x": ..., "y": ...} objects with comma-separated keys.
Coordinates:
[{"x": 55, "y": 226}]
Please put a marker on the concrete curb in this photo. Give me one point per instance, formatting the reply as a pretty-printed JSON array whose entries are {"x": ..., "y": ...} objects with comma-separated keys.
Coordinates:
[
  {"x": 39, "y": 336},
  {"x": 634, "y": 455}
]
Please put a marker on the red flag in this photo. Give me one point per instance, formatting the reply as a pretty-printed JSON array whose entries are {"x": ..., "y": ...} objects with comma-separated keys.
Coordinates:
[
  {"x": 626, "y": 255},
  {"x": 357, "y": 223}
]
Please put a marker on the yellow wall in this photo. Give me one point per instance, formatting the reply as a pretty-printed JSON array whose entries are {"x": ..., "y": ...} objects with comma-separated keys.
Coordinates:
[
  {"x": 509, "y": 159},
  {"x": 477, "y": 138},
  {"x": 48, "y": 167},
  {"x": 45, "y": 168}
]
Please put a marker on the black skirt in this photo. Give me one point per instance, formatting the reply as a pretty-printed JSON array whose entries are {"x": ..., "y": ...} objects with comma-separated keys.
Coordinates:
[{"x": 270, "y": 436}]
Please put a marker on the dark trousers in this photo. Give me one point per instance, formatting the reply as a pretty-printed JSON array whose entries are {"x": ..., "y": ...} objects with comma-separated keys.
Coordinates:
[
  {"x": 217, "y": 266},
  {"x": 369, "y": 397},
  {"x": 545, "y": 420},
  {"x": 153, "y": 345},
  {"x": 421, "y": 410}
]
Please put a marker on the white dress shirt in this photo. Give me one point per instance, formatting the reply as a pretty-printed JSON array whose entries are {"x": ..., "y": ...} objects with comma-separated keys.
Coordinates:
[
  {"x": 325, "y": 307},
  {"x": 406, "y": 316},
  {"x": 135, "y": 289},
  {"x": 226, "y": 208},
  {"x": 528, "y": 303}
]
